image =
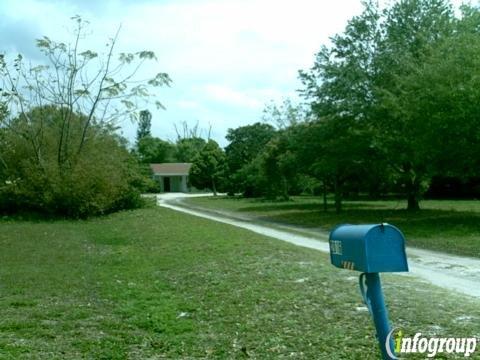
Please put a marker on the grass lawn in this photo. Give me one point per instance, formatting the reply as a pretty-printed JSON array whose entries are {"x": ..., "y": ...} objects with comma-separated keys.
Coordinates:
[
  {"x": 154, "y": 283},
  {"x": 444, "y": 225}
]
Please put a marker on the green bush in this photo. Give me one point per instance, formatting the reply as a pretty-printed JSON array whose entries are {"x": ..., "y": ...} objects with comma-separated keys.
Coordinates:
[{"x": 101, "y": 178}]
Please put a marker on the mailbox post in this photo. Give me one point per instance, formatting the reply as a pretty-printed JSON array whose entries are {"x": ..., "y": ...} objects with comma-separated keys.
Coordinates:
[
  {"x": 376, "y": 304},
  {"x": 371, "y": 249}
]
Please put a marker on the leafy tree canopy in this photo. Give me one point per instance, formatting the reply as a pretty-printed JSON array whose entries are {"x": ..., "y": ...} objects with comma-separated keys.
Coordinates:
[
  {"x": 208, "y": 167},
  {"x": 59, "y": 150},
  {"x": 144, "y": 125}
]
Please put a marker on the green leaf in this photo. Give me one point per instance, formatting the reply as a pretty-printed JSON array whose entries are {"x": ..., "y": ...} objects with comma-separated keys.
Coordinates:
[
  {"x": 89, "y": 54},
  {"x": 150, "y": 55}
]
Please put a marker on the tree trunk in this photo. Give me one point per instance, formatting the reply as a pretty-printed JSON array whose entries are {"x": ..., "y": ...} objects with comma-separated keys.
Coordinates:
[
  {"x": 413, "y": 203},
  {"x": 413, "y": 195},
  {"x": 338, "y": 196},
  {"x": 214, "y": 188},
  {"x": 285, "y": 189},
  {"x": 325, "y": 205}
]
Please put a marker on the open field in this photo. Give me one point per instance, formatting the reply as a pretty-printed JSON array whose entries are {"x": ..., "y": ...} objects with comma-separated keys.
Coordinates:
[
  {"x": 154, "y": 283},
  {"x": 444, "y": 225}
]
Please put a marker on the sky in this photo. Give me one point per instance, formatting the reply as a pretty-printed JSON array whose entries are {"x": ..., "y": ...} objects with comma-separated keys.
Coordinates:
[{"x": 227, "y": 59}]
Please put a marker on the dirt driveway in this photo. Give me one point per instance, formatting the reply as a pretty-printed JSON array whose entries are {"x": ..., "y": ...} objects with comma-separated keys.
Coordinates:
[{"x": 461, "y": 274}]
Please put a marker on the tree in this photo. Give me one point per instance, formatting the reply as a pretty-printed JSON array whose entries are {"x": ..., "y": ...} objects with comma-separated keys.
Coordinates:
[
  {"x": 208, "y": 167},
  {"x": 411, "y": 30},
  {"x": 340, "y": 83},
  {"x": 356, "y": 84},
  {"x": 340, "y": 90},
  {"x": 154, "y": 150},
  {"x": 105, "y": 177},
  {"x": 76, "y": 80},
  {"x": 187, "y": 149},
  {"x": 144, "y": 125},
  {"x": 59, "y": 113},
  {"x": 279, "y": 165},
  {"x": 186, "y": 131},
  {"x": 246, "y": 143},
  {"x": 336, "y": 153},
  {"x": 190, "y": 141},
  {"x": 284, "y": 115},
  {"x": 437, "y": 100}
]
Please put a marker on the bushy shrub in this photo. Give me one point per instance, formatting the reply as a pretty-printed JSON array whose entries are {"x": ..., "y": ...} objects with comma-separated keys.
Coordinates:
[{"x": 102, "y": 178}]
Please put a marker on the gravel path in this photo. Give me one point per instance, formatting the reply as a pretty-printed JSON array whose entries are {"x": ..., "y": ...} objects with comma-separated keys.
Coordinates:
[{"x": 457, "y": 273}]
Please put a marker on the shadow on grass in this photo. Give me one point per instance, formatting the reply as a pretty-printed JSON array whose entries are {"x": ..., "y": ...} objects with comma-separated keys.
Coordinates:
[
  {"x": 424, "y": 222},
  {"x": 454, "y": 230},
  {"x": 450, "y": 231},
  {"x": 302, "y": 206}
]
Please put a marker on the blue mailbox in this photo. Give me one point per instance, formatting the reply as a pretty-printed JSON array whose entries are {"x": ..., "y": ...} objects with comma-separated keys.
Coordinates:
[
  {"x": 371, "y": 249},
  {"x": 368, "y": 248}
]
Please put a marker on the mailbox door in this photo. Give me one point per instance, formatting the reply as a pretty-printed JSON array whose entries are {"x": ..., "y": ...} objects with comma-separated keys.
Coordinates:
[{"x": 386, "y": 249}]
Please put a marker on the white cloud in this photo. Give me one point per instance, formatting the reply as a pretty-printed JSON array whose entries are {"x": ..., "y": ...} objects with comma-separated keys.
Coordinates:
[
  {"x": 188, "y": 104},
  {"x": 229, "y": 96},
  {"x": 227, "y": 58}
]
